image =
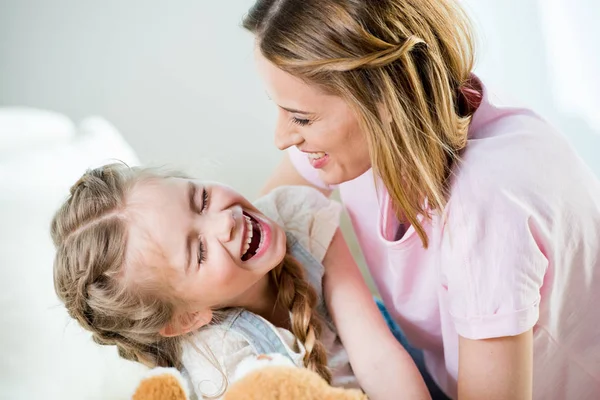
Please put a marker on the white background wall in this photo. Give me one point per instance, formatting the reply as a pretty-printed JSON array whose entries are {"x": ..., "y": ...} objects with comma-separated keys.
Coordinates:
[
  {"x": 545, "y": 54},
  {"x": 177, "y": 78}
]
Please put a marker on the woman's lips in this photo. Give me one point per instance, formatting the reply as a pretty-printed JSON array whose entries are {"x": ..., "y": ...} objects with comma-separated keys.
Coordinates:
[{"x": 317, "y": 159}]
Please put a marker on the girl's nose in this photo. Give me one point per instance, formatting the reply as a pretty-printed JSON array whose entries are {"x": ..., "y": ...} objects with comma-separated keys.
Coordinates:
[
  {"x": 223, "y": 224},
  {"x": 228, "y": 225}
]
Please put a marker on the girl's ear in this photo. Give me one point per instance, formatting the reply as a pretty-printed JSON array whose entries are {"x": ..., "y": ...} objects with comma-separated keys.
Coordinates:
[{"x": 186, "y": 323}]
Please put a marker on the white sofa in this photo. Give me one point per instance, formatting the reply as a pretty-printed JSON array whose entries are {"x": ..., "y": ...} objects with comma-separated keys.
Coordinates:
[{"x": 45, "y": 355}]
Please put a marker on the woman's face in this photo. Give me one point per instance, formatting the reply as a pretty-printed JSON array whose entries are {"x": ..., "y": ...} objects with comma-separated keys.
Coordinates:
[
  {"x": 202, "y": 242},
  {"x": 322, "y": 126}
]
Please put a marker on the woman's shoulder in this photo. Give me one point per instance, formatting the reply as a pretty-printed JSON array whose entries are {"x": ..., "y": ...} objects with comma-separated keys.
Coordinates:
[{"x": 513, "y": 152}]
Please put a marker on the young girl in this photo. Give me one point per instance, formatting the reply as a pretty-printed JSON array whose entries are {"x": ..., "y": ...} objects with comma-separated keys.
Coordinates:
[{"x": 182, "y": 273}]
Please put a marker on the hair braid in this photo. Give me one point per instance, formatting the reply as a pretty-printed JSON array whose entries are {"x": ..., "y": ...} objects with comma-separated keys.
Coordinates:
[
  {"x": 91, "y": 238},
  {"x": 296, "y": 295},
  {"x": 376, "y": 59}
]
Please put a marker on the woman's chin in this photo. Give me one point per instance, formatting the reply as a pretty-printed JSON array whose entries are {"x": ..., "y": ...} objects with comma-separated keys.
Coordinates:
[
  {"x": 336, "y": 176},
  {"x": 333, "y": 178}
]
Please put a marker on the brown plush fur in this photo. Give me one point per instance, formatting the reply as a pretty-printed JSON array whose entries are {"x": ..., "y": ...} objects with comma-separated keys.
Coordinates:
[
  {"x": 160, "y": 387},
  {"x": 287, "y": 383},
  {"x": 268, "y": 383}
]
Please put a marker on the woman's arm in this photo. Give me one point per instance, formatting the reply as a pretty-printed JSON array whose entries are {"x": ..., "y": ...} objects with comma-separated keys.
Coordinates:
[
  {"x": 496, "y": 369},
  {"x": 383, "y": 368},
  {"x": 287, "y": 174}
]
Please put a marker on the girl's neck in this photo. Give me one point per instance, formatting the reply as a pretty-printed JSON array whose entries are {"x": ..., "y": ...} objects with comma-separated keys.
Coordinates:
[{"x": 264, "y": 303}]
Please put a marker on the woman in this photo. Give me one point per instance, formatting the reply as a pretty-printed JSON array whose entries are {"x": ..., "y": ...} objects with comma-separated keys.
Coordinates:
[{"x": 480, "y": 225}]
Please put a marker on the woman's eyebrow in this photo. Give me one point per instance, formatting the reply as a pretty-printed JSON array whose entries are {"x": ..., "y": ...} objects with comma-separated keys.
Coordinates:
[{"x": 294, "y": 111}]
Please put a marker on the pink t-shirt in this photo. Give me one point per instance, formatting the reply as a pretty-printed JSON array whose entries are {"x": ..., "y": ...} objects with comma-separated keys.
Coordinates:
[{"x": 517, "y": 246}]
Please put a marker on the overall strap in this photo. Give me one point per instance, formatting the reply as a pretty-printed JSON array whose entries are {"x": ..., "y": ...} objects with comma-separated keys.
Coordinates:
[{"x": 257, "y": 332}]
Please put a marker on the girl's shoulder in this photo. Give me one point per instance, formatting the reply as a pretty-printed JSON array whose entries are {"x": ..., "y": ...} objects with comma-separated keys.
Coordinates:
[
  {"x": 211, "y": 356},
  {"x": 304, "y": 212}
]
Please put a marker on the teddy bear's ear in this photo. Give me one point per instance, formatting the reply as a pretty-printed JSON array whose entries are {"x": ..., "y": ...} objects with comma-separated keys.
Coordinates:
[
  {"x": 160, "y": 384},
  {"x": 251, "y": 364},
  {"x": 186, "y": 322}
]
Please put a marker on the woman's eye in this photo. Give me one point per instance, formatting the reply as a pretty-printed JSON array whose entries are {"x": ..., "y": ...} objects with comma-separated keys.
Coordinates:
[
  {"x": 201, "y": 252},
  {"x": 301, "y": 122},
  {"x": 204, "y": 199}
]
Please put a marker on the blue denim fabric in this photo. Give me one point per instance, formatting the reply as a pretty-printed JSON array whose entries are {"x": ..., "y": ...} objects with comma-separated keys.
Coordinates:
[{"x": 416, "y": 354}]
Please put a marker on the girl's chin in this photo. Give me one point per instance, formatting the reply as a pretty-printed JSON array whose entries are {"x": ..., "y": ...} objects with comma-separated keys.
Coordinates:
[{"x": 267, "y": 261}]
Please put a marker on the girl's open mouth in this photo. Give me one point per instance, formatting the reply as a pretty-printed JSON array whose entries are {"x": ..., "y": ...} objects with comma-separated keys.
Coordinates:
[{"x": 253, "y": 239}]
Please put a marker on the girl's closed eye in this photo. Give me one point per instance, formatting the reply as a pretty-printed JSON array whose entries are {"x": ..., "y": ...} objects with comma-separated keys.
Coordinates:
[
  {"x": 194, "y": 194},
  {"x": 204, "y": 199},
  {"x": 301, "y": 121},
  {"x": 201, "y": 252},
  {"x": 201, "y": 255}
]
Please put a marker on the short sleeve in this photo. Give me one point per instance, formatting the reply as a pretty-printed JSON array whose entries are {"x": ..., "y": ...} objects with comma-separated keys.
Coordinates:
[
  {"x": 210, "y": 358},
  {"x": 493, "y": 263},
  {"x": 300, "y": 162},
  {"x": 306, "y": 213}
]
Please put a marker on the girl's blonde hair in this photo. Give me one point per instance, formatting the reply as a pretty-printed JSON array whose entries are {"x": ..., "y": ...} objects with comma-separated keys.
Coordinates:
[
  {"x": 90, "y": 235},
  {"x": 402, "y": 65}
]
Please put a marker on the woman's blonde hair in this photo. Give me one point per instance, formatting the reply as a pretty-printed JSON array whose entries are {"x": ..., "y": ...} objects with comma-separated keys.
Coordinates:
[
  {"x": 90, "y": 235},
  {"x": 401, "y": 65}
]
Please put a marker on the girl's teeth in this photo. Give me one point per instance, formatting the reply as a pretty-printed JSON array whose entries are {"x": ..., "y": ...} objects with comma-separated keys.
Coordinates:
[
  {"x": 316, "y": 156},
  {"x": 249, "y": 233}
]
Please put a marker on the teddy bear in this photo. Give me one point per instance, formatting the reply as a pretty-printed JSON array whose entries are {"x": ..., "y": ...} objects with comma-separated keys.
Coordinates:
[{"x": 266, "y": 377}]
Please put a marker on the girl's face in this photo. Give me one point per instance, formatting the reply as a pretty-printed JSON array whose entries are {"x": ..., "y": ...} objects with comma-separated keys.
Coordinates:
[
  {"x": 322, "y": 126},
  {"x": 203, "y": 242}
]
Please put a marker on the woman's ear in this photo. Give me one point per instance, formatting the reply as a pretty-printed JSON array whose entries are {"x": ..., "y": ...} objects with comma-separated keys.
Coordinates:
[
  {"x": 186, "y": 323},
  {"x": 384, "y": 114}
]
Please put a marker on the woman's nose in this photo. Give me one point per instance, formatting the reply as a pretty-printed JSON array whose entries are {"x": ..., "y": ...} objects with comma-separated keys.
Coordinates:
[{"x": 286, "y": 135}]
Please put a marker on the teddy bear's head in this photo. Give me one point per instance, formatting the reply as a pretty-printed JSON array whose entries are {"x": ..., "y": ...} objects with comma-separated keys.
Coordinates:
[
  {"x": 271, "y": 377},
  {"x": 266, "y": 377}
]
